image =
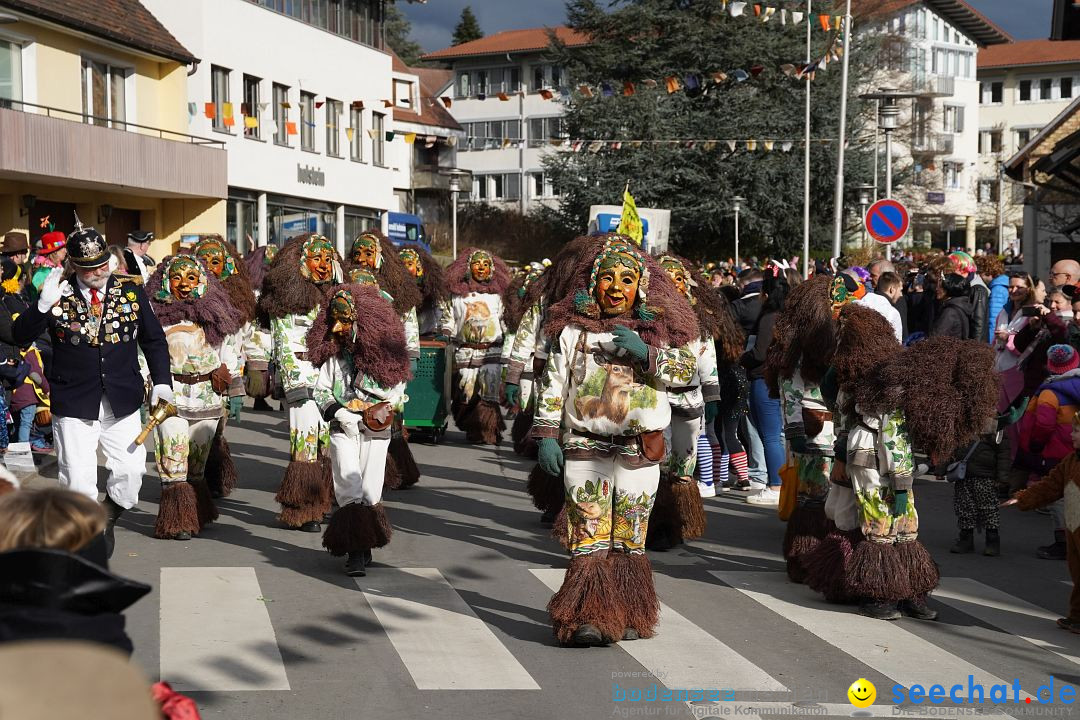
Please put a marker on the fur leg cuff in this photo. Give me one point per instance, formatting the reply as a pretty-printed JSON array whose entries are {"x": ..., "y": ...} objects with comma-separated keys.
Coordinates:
[
  {"x": 357, "y": 527},
  {"x": 178, "y": 510},
  {"x": 586, "y": 598}
]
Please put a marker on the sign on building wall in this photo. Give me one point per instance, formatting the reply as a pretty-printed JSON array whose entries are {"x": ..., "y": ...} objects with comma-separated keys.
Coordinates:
[{"x": 309, "y": 175}]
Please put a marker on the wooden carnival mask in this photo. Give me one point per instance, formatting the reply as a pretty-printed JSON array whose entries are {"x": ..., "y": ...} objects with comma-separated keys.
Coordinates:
[
  {"x": 480, "y": 266},
  {"x": 617, "y": 284},
  {"x": 342, "y": 314},
  {"x": 211, "y": 250},
  {"x": 363, "y": 276},
  {"x": 367, "y": 251},
  {"x": 412, "y": 262},
  {"x": 318, "y": 260},
  {"x": 186, "y": 279},
  {"x": 677, "y": 272},
  {"x": 269, "y": 255}
]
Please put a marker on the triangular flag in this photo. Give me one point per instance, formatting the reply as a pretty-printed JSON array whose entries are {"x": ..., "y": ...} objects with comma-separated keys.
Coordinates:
[
  {"x": 617, "y": 145},
  {"x": 349, "y": 133},
  {"x": 636, "y": 144},
  {"x": 430, "y": 140},
  {"x": 546, "y": 94},
  {"x": 245, "y": 109},
  {"x": 838, "y": 21},
  {"x": 452, "y": 141},
  {"x": 783, "y": 16},
  {"x": 228, "y": 122},
  {"x": 595, "y": 146},
  {"x": 796, "y": 17},
  {"x": 410, "y": 138},
  {"x": 210, "y": 110},
  {"x": 672, "y": 84},
  {"x": 786, "y": 145},
  {"x": 585, "y": 90},
  {"x": 286, "y": 105},
  {"x": 709, "y": 145},
  {"x": 481, "y": 96},
  {"x": 357, "y": 105},
  {"x": 756, "y": 70},
  {"x": 741, "y": 75},
  {"x": 757, "y": 10},
  {"x": 191, "y": 108},
  {"x": 251, "y": 122},
  {"x": 319, "y": 104},
  {"x": 737, "y": 8},
  {"x": 649, "y": 82},
  {"x": 628, "y": 89},
  {"x": 556, "y": 142},
  {"x": 290, "y": 128},
  {"x": 263, "y": 106},
  {"x": 576, "y": 147},
  {"x": 825, "y": 23},
  {"x": 227, "y": 110},
  {"x": 372, "y": 133},
  {"x": 691, "y": 143},
  {"x": 387, "y": 103},
  {"x": 503, "y": 96},
  {"x": 731, "y": 145},
  {"x": 768, "y": 145},
  {"x": 788, "y": 69},
  {"x": 389, "y": 135},
  {"x": 751, "y": 145},
  {"x": 769, "y": 12},
  {"x": 605, "y": 89},
  {"x": 630, "y": 221},
  {"x": 446, "y": 101},
  {"x": 506, "y": 142},
  {"x": 719, "y": 77},
  {"x": 692, "y": 83}
]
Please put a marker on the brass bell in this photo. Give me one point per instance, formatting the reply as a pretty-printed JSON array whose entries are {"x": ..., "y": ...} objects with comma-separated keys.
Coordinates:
[{"x": 158, "y": 414}]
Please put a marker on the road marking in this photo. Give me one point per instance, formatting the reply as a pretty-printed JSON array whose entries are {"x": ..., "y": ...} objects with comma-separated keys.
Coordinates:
[
  {"x": 1011, "y": 614},
  {"x": 902, "y": 656},
  {"x": 216, "y": 633},
  {"x": 682, "y": 655},
  {"x": 439, "y": 638}
]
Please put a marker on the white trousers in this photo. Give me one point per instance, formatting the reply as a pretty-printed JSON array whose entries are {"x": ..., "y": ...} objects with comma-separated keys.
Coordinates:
[
  {"x": 77, "y": 443},
  {"x": 359, "y": 466}
]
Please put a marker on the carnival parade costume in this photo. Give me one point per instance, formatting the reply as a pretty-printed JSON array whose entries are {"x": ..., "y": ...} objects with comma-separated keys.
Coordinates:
[
  {"x": 522, "y": 314},
  {"x": 259, "y": 376}
]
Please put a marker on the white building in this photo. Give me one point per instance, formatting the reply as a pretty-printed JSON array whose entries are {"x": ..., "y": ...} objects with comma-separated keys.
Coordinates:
[
  {"x": 319, "y": 71},
  {"x": 506, "y": 97},
  {"x": 930, "y": 49}
]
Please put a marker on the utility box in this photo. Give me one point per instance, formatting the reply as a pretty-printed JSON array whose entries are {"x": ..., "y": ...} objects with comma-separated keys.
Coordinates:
[{"x": 655, "y": 224}]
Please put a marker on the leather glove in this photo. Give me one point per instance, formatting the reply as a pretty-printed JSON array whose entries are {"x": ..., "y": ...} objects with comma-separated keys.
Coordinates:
[
  {"x": 712, "y": 411},
  {"x": 161, "y": 392},
  {"x": 350, "y": 422},
  {"x": 628, "y": 340},
  {"x": 412, "y": 366},
  {"x": 551, "y": 456},
  {"x": 51, "y": 290},
  {"x": 236, "y": 404},
  {"x": 900, "y": 503},
  {"x": 513, "y": 393}
]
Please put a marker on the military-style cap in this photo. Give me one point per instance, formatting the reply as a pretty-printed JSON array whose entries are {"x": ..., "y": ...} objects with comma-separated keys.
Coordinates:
[
  {"x": 86, "y": 247},
  {"x": 141, "y": 236}
]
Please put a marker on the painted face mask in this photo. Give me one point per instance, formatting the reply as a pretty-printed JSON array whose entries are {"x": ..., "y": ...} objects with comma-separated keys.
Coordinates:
[
  {"x": 318, "y": 260},
  {"x": 678, "y": 274},
  {"x": 342, "y": 314},
  {"x": 211, "y": 251},
  {"x": 367, "y": 251},
  {"x": 186, "y": 279},
  {"x": 411, "y": 259},
  {"x": 362, "y": 276},
  {"x": 480, "y": 266},
  {"x": 269, "y": 255},
  {"x": 617, "y": 284}
]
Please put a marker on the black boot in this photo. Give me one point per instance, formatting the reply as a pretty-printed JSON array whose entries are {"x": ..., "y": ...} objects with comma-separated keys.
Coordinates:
[
  {"x": 261, "y": 405},
  {"x": 354, "y": 565},
  {"x": 917, "y": 608},
  {"x": 112, "y": 514},
  {"x": 548, "y": 518},
  {"x": 965, "y": 543},
  {"x": 993, "y": 543},
  {"x": 588, "y": 635},
  {"x": 879, "y": 610}
]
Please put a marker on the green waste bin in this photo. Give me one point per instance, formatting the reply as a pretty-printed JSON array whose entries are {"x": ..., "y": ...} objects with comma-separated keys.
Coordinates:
[{"x": 429, "y": 390}]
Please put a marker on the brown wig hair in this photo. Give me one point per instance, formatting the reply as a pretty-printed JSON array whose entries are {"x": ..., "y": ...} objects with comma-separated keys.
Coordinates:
[
  {"x": 864, "y": 341},
  {"x": 213, "y": 312},
  {"x": 285, "y": 291},
  {"x": 54, "y": 518},
  {"x": 804, "y": 337},
  {"x": 238, "y": 285},
  {"x": 557, "y": 280},
  {"x": 432, "y": 285},
  {"x": 460, "y": 281},
  {"x": 513, "y": 302},
  {"x": 393, "y": 277},
  {"x": 255, "y": 264},
  {"x": 378, "y": 350}
]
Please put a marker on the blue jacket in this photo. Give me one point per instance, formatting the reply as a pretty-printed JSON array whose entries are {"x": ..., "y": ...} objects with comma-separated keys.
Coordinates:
[{"x": 999, "y": 295}]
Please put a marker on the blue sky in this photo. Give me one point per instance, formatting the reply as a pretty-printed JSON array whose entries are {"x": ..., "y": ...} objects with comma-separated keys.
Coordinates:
[{"x": 433, "y": 22}]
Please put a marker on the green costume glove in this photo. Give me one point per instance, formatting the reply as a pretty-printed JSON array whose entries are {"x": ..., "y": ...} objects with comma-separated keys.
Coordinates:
[
  {"x": 412, "y": 366},
  {"x": 900, "y": 503},
  {"x": 550, "y": 456},
  {"x": 1012, "y": 415},
  {"x": 631, "y": 342},
  {"x": 236, "y": 404},
  {"x": 712, "y": 410},
  {"x": 513, "y": 392}
]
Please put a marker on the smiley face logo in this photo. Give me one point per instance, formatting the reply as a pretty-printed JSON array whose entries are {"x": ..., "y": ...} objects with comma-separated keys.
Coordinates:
[{"x": 862, "y": 693}]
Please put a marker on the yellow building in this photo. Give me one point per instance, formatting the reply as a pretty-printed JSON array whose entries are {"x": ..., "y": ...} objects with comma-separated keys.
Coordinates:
[{"x": 93, "y": 120}]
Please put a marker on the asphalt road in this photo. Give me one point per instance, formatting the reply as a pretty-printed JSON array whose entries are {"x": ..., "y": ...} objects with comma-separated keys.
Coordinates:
[{"x": 257, "y": 621}]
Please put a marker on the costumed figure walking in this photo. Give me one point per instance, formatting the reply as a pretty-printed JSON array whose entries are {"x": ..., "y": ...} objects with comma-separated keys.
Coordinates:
[
  {"x": 522, "y": 315},
  {"x": 259, "y": 376},
  {"x": 224, "y": 262},
  {"x": 373, "y": 252},
  {"x": 358, "y": 343},
  {"x": 294, "y": 290},
  {"x": 434, "y": 294},
  {"x": 679, "y": 513},
  {"x": 97, "y": 324},
  {"x": 201, "y": 326},
  {"x": 477, "y": 280},
  {"x": 618, "y": 343}
]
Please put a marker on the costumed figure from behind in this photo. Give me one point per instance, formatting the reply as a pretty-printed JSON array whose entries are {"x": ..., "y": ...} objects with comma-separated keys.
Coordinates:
[
  {"x": 618, "y": 343},
  {"x": 521, "y": 316},
  {"x": 259, "y": 376}
]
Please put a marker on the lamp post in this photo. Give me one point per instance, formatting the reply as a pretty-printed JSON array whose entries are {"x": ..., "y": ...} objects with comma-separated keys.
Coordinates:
[
  {"x": 888, "y": 120},
  {"x": 864, "y": 202},
  {"x": 838, "y": 210},
  {"x": 736, "y": 205},
  {"x": 456, "y": 176}
]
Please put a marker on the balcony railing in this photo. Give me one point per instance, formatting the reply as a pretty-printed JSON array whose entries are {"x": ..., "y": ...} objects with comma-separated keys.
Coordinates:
[
  {"x": 936, "y": 86},
  {"x": 933, "y": 144}
]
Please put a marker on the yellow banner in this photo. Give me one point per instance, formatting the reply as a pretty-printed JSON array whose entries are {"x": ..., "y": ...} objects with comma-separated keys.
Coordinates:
[{"x": 630, "y": 222}]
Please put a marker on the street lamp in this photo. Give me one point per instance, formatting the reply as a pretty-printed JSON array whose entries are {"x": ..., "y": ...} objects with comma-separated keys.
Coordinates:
[
  {"x": 864, "y": 192},
  {"x": 456, "y": 176},
  {"x": 736, "y": 205},
  {"x": 888, "y": 120}
]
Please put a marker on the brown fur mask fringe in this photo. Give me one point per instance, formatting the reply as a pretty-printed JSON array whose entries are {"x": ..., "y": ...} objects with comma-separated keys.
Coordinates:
[
  {"x": 513, "y": 303},
  {"x": 379, "y": 349},
  {"x": 433, "y": 289},
  {"x": 255, "y": 265},
  {"x": 284, "y": 290},
  {"x": 804, "y": 337},
  {"x": 673, "y": 325},
  {"x": 864, "y": 342},
  {"x": 707, "y": 305},
  {"x": 393, "y": 277},
  {"x": 212, "y": 312},
  {"x": 946, "y": 388},
  {"x": 558, "y": 281},
  {"x": 460, "y": 281}
]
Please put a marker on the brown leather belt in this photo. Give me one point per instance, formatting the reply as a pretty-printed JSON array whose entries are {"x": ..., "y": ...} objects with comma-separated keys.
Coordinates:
[
  {"x": 610, "y": 439},
  {"x": 192, "y": 379}
]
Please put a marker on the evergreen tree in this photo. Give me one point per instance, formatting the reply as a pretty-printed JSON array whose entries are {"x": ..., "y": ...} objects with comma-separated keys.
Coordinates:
[
  {"x": 467, "y": 29},
  {"x": 398, "y": 29},
  {"x": 655, "y": 39}
]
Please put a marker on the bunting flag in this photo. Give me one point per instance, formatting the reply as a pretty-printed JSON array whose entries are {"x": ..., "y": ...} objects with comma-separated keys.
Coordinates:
[
  {"x": 672, "y": 84},
  {"x": 286, "y": 105},
  {"x": 388, "y": 103},
  {"x": 410, "y": 138},
  {"x": 628, "y": 89},
  {"x": 251, "y": 122},
  {"x": 630, "y": 221},
  {"x": 826, "y": 22},
  {"x": 210, "y": 110},
  {"x": 229, "y": 121},
  {"x": 503, "y": 96},
  {"x": 349, "y": 132},
  {"x": 263, "y": 106},
  {"x": 546, "y": 94},
  {"x": 649, "y": 83},
  {"x": 227, "y": 110},
  {"x": 585, "y": 90},
  {"x": 319, "y": 104},
  {"x": 245, "y": 109},
  {"x": 446, "y": 101},
  {"x": 372, "y": 133},
  {"x": 192, "y": 108},
  {"x": 389, "y": 134},
  {"x": 357, "y": 104},
  {"x": 290, "y": 128}
]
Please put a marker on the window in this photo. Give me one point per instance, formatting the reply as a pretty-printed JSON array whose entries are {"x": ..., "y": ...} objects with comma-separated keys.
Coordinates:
[
  {"x": 921, "y": 124},
  {"x": 954, "y": 118},
  {"x": 219, "y": 94},
  {"x": 988, "y": 191},
  {"x": 540, "y": 186},
  {"x": 989, "y": 142},
  {"x": 995, "y": 141},
  {"x": 403, "y": 94},
  {"x": 333, "y": 128},
  {"x": 307, "y": 121},
  {"x": 1023, "y": 137},
  {"x": 499, "y": 186},
  {"x": 990, "y": 93},
  {"x": 463, "y": 85},
  {"x": 1025, "y": 91},
  {"x": 10, "y": 70},
  {"x": 480, "y": 80},
  {"x": 251, "y": 105},
  {"x": 936, "y": 29},
  {"x": 359, "y": 20},
  {"x": 281, "y": 114},
  {"x": 542, "y": 130},
  {"x": 480, "y": 187},
  {"x": 1066, "y": 88},
  {"x": 104, "y": 93},
  {"x": 512, "y": 80},
  {"x": 1046, "y": 89},
  {"x": 952, "y": 175},
  {"x": 356, "y": 122},
  {"x": 538, "y": 80},
  {"x": 378, "y": 148}
]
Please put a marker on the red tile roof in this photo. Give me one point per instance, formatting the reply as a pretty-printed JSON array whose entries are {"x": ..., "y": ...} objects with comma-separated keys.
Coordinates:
[
  {"x": 510, "y": 41},
  {"x": 431, "y": 111},
  {"x": 1030, "y": 52},
  {"x": 958, "y": 12},
  {"x": 126, "y": 22}
]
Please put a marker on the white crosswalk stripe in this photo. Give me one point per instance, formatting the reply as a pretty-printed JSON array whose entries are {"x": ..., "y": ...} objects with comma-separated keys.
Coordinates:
[{"x": 216, "y": 633}]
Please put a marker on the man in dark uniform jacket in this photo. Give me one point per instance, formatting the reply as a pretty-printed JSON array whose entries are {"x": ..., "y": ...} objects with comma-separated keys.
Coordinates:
[
  {"x": 139, "y": 264},
  {"x": 97, "y": 323}
]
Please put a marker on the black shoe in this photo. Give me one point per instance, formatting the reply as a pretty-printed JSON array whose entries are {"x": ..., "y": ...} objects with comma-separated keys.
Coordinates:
[
  {"x": 367, "y": 556},
  {"x": 588, "y": 635},
  {"x": 311, "y": 526},
  {"x": 216, "y": 494},
  {"x": 965, "y": 543},
  {"x": 630, "y": 634},
  {"x": 261, "y": 405},
  {"x": 354, "y": 565},
  {"x": 918, "y": 609},
  {"x": 880, "y": 610},
  {"x": 1054, "y": 551},
  {"x": 112, "y": 514},
  {"x": 183, "y": 535},
  {"x": 993, "y": 543},
  {"x": 548, "y": 518}
]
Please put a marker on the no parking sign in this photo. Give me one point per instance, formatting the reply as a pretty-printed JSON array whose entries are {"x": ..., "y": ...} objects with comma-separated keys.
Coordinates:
[{"x": 887, "y": 221}]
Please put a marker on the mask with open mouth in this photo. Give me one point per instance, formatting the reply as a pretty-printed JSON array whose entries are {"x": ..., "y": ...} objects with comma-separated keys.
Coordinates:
[
  {"x": 480, "y": 266},
  {"x": 186, "y": 279},
  {"x": 317, "y": 263}
]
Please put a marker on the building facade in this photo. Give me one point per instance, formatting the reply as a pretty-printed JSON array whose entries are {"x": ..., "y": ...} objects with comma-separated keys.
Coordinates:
[
  {"x": 294, "y": 91},
  {"x": 93, "y": 120},
  {"x": 506, "y": 95}
]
